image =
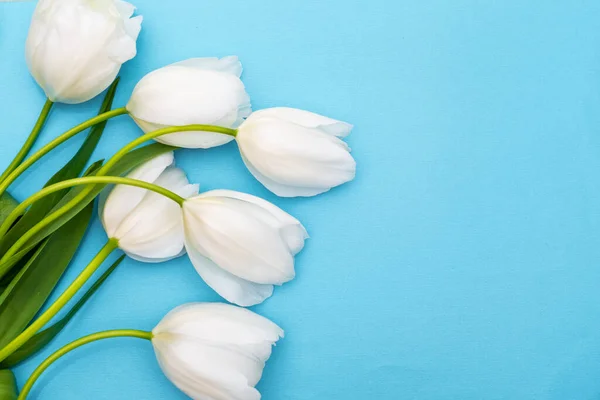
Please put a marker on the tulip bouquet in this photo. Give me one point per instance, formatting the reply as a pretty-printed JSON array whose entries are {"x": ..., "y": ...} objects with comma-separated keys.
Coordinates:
[{"x": 240, "y": 245}]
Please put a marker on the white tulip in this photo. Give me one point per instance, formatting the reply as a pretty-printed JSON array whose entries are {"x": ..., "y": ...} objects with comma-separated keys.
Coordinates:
[
  {"x": 196, "y": 91},
  {"x": 148, "y": 225},
  {"x": 296, "y": 153},
  {"x": 214, "y": 351},
  {"x": 75, "y": 48},
  {"x": 241, "y": 245}
]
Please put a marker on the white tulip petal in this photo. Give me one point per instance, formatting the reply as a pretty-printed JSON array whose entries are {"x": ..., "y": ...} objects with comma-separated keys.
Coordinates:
[
  {"x": 125, "y": 9},
  {"x": 182, "y": 362},
  {"x": 214, "y": 351},
  {"x": 149, "y": 225},
  {"x": 123, "y": 199},
  {"x": 89, "y": 40},
  {"x": 295, "y": 152},
  {"x": 229, "y": 64},
  {"x": 281, "y": 189},
  {"x": 283, "y": 217},
  {"x": 175, "y": 180},
  {"x": 290, "y": 228},
  {"x": 306, "y": 119},
  {"x": 235, "y": 236},
  {"x": 294, "y": 236},
  {"x": 123, "y": 48},
  {"x": 197, "y": 91},
  {"x": 133, "y": 27},
  {"x": 232, "y": 288},
  {"x": 215, "y": 322},
  {"x": 154, "y": 229},
  {"x": 101, "y": 76},
  {"x": 279, "y": 140},
  {"x": 298, "y": 156},
  {"x": 240, "y": 244},
  {"x": 153, "y": 260},
  {"x": 190, "y": 97},
  {"x": 157, "y": 236},
  {"x": 230, "y": 365}
]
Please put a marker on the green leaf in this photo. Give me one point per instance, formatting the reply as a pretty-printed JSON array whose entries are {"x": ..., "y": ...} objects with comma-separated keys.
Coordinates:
[
  {"x": 8, "y": 385},
  {"x": 6, "y": 267},
  {"x": 7, "y": 204},
  {"x": 72, "y": 169},
  {"x": 41, "y": 339},
  {"x": 7, "y": 279},
  {"x": 34, "y": 283}
]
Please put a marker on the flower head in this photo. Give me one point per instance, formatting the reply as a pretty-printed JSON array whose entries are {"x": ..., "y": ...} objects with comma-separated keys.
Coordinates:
[
  {"x": 214, "y": 351},
  {"x": 196, "y": 91},
  {"x": 296, "y": 153},
  {"x": 148, "y": 225},
  {"x": 75, "y": 48},
  {"x": 241, "y": 245}
]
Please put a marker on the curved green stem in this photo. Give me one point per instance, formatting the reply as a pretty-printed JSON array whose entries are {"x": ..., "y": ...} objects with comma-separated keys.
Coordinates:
[
  {"x": 62, "y": 300},
  {"x": 10, "y": 178},
  {"x": 35, "y": 132},
  {"x": 103, "y": 171},
  {"x": 20, "y": 209},
  {"x": 74, "y": 345},
  {"x": 161, "y": 132}
]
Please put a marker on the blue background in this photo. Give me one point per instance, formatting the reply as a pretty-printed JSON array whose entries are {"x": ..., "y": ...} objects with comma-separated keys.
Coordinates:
[{"x": 463, "y": 261}]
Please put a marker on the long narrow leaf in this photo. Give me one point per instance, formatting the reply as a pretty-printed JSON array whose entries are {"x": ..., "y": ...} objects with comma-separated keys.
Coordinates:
[
  {"x": 7, "y": 279},
  {"x": 28, "y": 292},
  {"x": 19, "y": 257},
  {"x": 6, "y": 267},
  {"x": 44, "y": 337},
  {"x": 7, "y": 204},
  {"x": 72, "y": 169},
  {"x": 8, "y": 385}
]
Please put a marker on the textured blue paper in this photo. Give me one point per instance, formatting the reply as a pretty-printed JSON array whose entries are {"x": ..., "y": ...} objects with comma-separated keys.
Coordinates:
[{"x": 464, "y": 260}]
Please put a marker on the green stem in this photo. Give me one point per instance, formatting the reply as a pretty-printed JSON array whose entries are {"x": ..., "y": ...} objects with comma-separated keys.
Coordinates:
[
  {"x": 161, "y": 132},
  {"x": 62, "y": 300},
  {"x": 12, "y": 176},
  {"x": 35, "y": 132},
  {"x": 103, "y": 171},
  {"x": 74, "y": 345},
  {"x": 21, "y": 208}
]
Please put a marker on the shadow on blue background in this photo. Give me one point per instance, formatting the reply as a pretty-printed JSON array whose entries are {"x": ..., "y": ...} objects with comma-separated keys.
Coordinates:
[{"x": 462, "y": 263}]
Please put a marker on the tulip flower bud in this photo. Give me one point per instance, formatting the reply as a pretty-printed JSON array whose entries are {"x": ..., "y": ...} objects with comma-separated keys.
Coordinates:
[
  {"x": 148, "y": 225},
  {"x": 241, "y": 245},
  {"x": 196, "y": 91},
  {"x": 214, "y": 351},
  {"x": 294, "y": 152},
  {"x": 75, "y": 48}
]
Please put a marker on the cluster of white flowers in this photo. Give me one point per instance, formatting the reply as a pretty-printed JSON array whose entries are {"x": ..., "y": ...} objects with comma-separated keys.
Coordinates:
[{"x": 240, "y": 245}]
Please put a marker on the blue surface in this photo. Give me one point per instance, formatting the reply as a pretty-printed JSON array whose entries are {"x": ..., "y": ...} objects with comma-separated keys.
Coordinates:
[{"x": 464, "y": 260}]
